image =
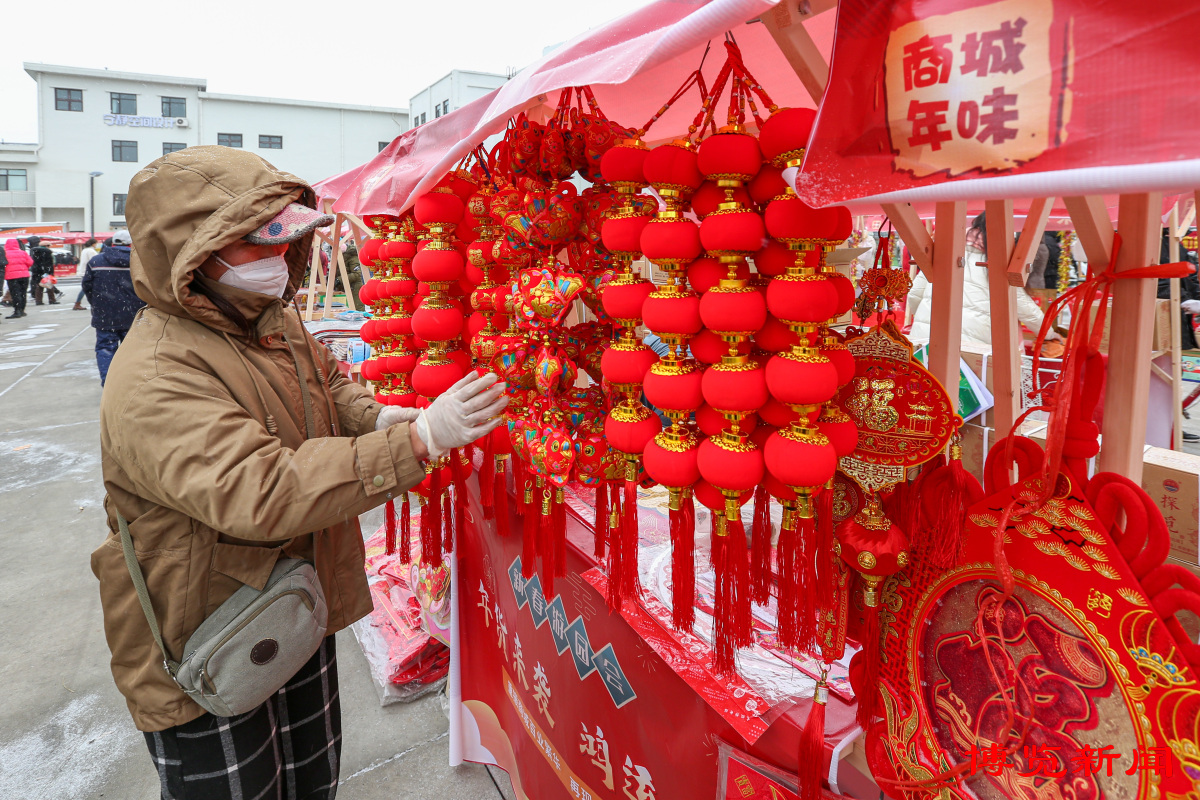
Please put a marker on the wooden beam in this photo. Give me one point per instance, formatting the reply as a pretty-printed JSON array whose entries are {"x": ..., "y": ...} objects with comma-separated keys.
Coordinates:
[
  {"x": 945, "y": 327},
  {"x": 1006, "y": 330},
  {"x": 914, "y": 234},
  {"x": 1176, "y": 377},
  {"x": 785, "y": 22},
  {"x": 1093, "y": 226},
  {"x": 1127, "y": 390},
  {"x": 314, "y": 278},
  {"x": 1021, "y": 259},
  {"x": 1189, "y": 216}
]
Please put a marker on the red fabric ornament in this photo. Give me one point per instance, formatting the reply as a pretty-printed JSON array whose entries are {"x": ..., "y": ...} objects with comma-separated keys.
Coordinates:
[
  {"x": 673, "y": 166},
  {"x": 733, "y": 310},
  {"x": 630, "y": 429},
  {"x": 735, "y": 387},
  {"x": 438, "y": 207},
  {"x": 627, "y": 362},
  {"x": 732, "y": 231},
  {"x": 621, "y": 233},
  {"x": 808, "y": 299},
  {"x": 798, "y": 379},
  {"x": 437, "y": 324},
  {"x": 623, "y": 300},
  {"x": 800, "y": 460},
  {"x": 623, "y": 164},
  {"x": 671, "y": 463},
  {"x": 433, "y": 265},
  {"x": 432, "y": 379},
  {"x": 791, "y": 219}
]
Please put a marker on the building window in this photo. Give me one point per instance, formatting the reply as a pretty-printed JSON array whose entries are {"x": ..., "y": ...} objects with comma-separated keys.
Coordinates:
[
  {"x": 445, "y": 106},
  {"x": 437, "y": 111},
  {"x": 68, "y": 100},
  {"x": 172, "y": 147},
  {"x": 422, "y": 122},
  {"x": 229, "y": 139},
  {"x": 174, "y": 106},
  {"x": 14, "y": 180},
  {"x": 124, "y": 150},
  {"x": 383, "y": 145},
  {"x": 270, "y": 142},
  {"x": 119, "y": 205},
  {"x": 123, "y": 103}
]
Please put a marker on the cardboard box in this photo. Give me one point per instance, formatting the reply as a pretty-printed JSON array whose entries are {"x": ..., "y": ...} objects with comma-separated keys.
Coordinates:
[
  {"x": 1161, "y": 336},
  {"x": 1190, "y": 622},
  {"x": 1172, "y": 479},
  {"x": 975, "y": 444}
]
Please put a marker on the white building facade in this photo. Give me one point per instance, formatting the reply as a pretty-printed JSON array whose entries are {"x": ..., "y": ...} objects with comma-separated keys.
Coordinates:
[
  {"x": 450, "y": 93},
  {"x": 115, "y": 123}
]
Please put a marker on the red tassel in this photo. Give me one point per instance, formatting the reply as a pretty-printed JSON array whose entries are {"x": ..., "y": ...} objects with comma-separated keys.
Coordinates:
[
  {"x": 447, "y": 521},
  {"x": 559, "y": 533},
  {"x": 731, "y": 564},
  {"x": 614, "y": 567},
  {"x": 683, "y": 565},
  {"x": 947, "y": 528},
  {"x": 806, "y": 569},
  {"x": 500, "y": 498},
  {"x": 869, "y": 698},
  {"x": 431, "y": 522},
  {"x": 487, "y": 471},
  {"x": 760, "y": 548},
  {"x": 389, "y": 527},
  {"x": 630, "y": 582},
  {"x": 460, "y": 513},
  {"x": 790, "y": 582},
  {"x": 529, "y": 531},
  {"x": 546, "y": 542},
  {"x": 405, "y": 531},
  {"x": 812, "y": 746},
  {"x": 826, "y": 583},
  {"x": 601, "y": 526}
]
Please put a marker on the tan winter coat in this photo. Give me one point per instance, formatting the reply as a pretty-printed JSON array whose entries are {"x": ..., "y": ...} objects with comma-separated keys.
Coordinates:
[{"x": 203, "y": 432}]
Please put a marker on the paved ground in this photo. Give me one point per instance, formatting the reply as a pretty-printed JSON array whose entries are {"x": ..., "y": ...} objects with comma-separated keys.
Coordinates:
[{"x": 65, "y": 731}]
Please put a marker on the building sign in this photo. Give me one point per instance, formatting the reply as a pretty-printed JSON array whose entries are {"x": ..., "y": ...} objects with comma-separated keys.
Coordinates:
[
  {"x": 29, "y": 230},
  {"x": 143, "y": 122},
  {"x": 971, "y": 89}
]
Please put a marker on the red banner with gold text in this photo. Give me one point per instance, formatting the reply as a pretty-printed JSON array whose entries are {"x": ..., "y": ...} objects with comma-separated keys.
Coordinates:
[{"x": 925, "y": 91}]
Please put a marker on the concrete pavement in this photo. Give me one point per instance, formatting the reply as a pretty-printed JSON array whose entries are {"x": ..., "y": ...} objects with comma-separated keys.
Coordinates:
[{"x": 65, "y": 731}]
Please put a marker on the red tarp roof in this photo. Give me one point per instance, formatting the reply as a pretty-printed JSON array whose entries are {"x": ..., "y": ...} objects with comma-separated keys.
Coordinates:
[{"x": 633, "y": 64}]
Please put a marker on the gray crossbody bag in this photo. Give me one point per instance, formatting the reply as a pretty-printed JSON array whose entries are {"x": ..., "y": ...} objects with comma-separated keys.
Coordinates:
[{"x": 252, "y": 644}]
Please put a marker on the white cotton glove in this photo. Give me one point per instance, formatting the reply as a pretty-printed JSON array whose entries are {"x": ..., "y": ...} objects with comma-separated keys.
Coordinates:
[
  {"x": 465, "y": 412},
  {"x": 390, "y": 415},
  {"x": 1190, "y": 306}
]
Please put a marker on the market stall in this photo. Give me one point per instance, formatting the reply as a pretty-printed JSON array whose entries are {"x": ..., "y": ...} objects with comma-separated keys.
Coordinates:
[{"x": 815, "y": 561}]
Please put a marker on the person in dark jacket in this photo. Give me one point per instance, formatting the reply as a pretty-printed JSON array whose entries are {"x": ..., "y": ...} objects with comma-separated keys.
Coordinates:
[
  {"x": 43, "y": 265},
  {"x": 109, "y": 289}
]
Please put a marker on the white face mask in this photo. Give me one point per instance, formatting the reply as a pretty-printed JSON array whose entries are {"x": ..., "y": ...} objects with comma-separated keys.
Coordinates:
[{"x": 266, "y": 276}]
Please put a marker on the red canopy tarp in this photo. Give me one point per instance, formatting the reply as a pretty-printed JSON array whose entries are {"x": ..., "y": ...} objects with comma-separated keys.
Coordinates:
[
  {"x": 934, "y": 100},
  {"x": 633, "y": 64}
]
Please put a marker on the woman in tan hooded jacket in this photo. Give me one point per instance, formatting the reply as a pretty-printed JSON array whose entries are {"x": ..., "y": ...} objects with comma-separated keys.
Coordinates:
[{"x": 230, "y": 439}]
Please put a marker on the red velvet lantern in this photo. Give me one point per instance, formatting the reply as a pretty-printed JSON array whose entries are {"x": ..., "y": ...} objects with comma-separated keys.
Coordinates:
[
  {"x": 710, "y": 195},
  {"x": 774, "y": 259},
  {"x": 711, "y": 422},
  {"x": 706, "y": 272},
  {"x": 430, "y": 378},
  {"x": 630, "y": 428},
  {"x": 839, "y": 428},
  {"x": 791, "y": 219},
  {"x": 622, "y": 165},
  {"x": 730, "y": 467},
  {"x": 799, "y": 380},
  {"x": 439, "y": 208},
  {"x": 670, "y": 240},
  {"x": 729, "y": 153},
  {"x": 627, "y": 362},
  {"x": 800, "y": 459},
  {"x": 802, "y": 298},
  {"x": 738, "y": 387},
  {"x": 767, "y": 185},
  {"x": 436, "y": 265},
  {"x": 671, "y": 313},
  {"x": 774, "y": 336},
  {"x": 437, "y": 324},
  {"x": 732, "y": 230},
  {"x": 672, "y": 170},
  {"x": 776, "y": 415},
  {"x": 733, "y": 310},
  {"x": 622, "y": 232},
  {"x": 623, "y": 299},
  {"x": 673, "y": 391},
  {"x": 709, "y": 348},
  {"x": 671, "y": 464},
  {"x": 785, "y": 135}
]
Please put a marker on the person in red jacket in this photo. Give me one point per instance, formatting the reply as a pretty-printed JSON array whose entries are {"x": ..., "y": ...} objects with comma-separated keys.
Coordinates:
[{"x": 17, "y": 274}]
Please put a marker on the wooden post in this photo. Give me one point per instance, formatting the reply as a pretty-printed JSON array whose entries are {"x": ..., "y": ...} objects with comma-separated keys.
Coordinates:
[
  {"x": 314, "y": 276},
  {"x": 1006, "y": 331},
  {"x": 1127, "y": 391},
  {"x": 913, "y": 233},
  {"x": 945, "y": 328},
  {"x": 1021, "y": 258},
  {"x": 1176, "y": 337},
  {"x": 1094, "y": 228},
  {"x": 784, "y": 21}
]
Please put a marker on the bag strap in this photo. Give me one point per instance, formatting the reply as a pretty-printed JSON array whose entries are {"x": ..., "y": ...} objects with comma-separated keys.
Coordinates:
[{"x": 139, "y": 584}]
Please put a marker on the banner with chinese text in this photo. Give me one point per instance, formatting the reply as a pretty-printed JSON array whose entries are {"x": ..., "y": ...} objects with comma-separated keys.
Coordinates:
[
  {"x": 925, "y": 91},
  {"x": 569, "y": 699}
]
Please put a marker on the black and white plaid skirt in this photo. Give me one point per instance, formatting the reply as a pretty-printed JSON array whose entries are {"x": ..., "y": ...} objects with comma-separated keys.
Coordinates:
[{"x": 289, "y": 748}]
